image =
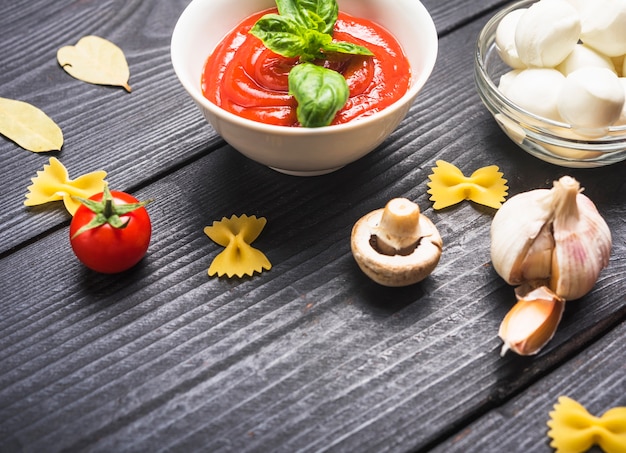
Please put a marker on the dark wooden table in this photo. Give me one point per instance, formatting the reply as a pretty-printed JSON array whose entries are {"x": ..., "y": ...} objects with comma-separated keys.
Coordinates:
[{"x": 312, "y": 355}]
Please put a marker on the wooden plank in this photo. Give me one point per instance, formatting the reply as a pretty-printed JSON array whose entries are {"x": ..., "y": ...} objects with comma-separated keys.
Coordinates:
[
  {"x": 596, "y": 378},
  {"x": 310, "y": 355},
  {"x": 134, "y": 137}
]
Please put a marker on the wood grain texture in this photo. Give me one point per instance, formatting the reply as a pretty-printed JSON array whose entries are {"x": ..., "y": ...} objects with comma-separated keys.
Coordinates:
[
  {"x": 135, "y": 137},
  {"x": 310, "y": 356},
  {"x": 596, "y": 378}
]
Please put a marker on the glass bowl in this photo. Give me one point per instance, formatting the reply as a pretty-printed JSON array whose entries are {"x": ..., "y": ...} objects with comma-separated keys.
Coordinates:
[{"x": 548, "y": 140}]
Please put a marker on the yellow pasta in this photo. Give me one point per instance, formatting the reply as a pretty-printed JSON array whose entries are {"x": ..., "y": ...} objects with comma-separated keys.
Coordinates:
[
  {"x": 239, "y": 257},
  {"x": 574, "y": 430},
  {"x": 448, "y": 186},
  {"x": 53, "y": 184}
]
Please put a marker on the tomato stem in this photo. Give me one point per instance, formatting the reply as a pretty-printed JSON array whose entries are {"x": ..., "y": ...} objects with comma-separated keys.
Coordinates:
[
  {"x": 108, "y": 206},
  {"x": 107, "y": 212}
]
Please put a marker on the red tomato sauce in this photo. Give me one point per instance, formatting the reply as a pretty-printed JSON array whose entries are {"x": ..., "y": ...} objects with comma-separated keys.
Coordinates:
[{"x": 245, "y": 78}]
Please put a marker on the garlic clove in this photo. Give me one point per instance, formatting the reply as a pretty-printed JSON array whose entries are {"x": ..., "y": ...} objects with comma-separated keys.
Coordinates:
[
  {"x": 537, "y": 264},
  {"x": 582, "y": 241},
  {"x": 514, "y": 229},
  {"x": 532, "y": 322}
]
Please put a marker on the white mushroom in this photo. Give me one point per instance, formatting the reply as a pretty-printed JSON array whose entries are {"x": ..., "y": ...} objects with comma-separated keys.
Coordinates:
[{"x": 397, "y": 245}]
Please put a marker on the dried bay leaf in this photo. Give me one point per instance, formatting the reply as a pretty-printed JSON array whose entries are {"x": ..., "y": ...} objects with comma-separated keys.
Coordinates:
[
  {"x": 95, "y": 60},
  {"x": 29, "y": 126}
]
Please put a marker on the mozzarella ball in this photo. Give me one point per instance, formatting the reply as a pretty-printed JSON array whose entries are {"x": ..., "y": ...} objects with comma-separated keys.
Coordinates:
[
  {"x": 591, "y": 100},
  {"x": 622, "y": 117},
  {"x": 583, "y": 56},
  {"x": 547, "y": 32},
  {"x": 578, "y": 4},
  {"x": 536, "y": 90},
  {"x": 505, "y": 39},
  {"x": 604, "y": 26},
  {"x": 507, "y": 79}
]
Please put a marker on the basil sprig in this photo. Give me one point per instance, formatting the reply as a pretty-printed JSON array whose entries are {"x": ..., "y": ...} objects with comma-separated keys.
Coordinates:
[{"x": 303, "y": 28}]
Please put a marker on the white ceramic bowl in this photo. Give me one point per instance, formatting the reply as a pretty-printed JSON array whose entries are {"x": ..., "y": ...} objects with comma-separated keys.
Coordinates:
[
  {"x": 301, "y": 151},
  {"x": 551, "y": 141}
]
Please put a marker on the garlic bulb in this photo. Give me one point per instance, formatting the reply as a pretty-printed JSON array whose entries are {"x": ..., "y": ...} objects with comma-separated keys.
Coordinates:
[{"x": 553, "y": 237}]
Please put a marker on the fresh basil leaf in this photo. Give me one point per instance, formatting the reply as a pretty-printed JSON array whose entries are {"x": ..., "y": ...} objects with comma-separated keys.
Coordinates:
[
  {"x": 313, "y": 22},
  {"x": 281, "y": 35},
  {"x": 303, "y": 28},
  {"x": 346, "y": 47},
  {"x": 316, "y": 41},
  {"x": 319, "y": 15},
  {"x": 285, "y": 37},
  {"x": 319, "y": 92},
  {"x": 327, "y": 10},
  {"x": 288, "y": 8}
]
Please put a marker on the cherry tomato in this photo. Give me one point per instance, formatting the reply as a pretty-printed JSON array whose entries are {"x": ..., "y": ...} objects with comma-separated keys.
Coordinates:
[{"x": 110, "y": 236}]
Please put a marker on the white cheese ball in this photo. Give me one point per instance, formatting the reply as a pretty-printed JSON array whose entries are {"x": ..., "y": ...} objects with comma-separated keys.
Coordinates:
[
  {"x": 591, "y": 100},
  {"x": 505, "y": 39},
  {"x": 604, "y": 26},
  {"x": 536, "y": 90},
  {"x": 578, "y": 4},
  {"x": 547, "y": 32},
  {"x": 622, "y": 117},
  {"x": 507, "y": 79},
  {"x": 582, "y": 57}
]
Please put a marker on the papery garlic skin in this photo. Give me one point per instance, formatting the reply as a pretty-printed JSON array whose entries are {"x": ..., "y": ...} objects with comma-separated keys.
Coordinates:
[
  {"x": 582, "y": 242},
  {"x": 514, "y": 229},
  {"x": 552, "y": 237}
]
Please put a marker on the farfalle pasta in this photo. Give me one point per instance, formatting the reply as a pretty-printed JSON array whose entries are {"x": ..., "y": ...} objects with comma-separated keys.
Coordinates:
[
  {"x": 239, "y": 257},
  {"x": 574, "y": 430},
  {"x": 448, "y": 186},
  {"x": 53, "y": 184}
]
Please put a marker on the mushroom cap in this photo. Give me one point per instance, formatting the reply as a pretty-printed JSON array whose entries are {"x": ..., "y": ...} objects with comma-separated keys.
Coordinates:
[{"x": 395, "y": 270}]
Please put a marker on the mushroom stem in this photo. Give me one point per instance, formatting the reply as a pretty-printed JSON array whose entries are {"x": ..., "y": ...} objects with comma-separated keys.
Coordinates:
[{"x": 398, "y": 231}]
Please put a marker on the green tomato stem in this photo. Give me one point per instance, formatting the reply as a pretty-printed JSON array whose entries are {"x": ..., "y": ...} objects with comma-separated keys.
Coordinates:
[{"x": 107, "y": 212}]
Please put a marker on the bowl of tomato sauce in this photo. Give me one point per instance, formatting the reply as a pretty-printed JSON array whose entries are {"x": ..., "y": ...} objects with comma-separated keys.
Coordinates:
[{"x": 242, "y": 86}]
